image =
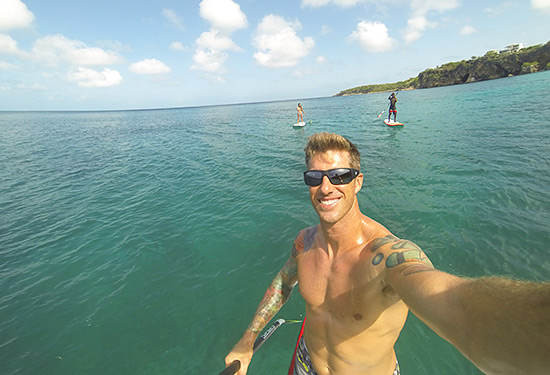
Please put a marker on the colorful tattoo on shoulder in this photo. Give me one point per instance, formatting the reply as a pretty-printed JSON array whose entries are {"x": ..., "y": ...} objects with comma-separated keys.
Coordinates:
[
  {"x": 309, "y": 238},
  {"x": 379, "y": 242},
  {"x": 405, "y": 245},
  {"x": 397, "y": 258},
  {"x": 411, "y": 254},
  {"x": 377, "y": 259},
  {"x": 420, "y": 262}
]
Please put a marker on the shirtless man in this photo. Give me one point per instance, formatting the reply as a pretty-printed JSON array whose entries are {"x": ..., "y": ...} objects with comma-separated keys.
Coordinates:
[{"x": 359, "y": 282}]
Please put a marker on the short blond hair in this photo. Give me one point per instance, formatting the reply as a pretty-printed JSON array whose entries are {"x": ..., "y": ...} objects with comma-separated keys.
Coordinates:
[{"x": 322, "y": 142}]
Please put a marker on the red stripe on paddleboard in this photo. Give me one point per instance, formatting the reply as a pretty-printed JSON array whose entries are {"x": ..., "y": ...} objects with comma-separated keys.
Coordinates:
[{"x": 291, "y": 368}]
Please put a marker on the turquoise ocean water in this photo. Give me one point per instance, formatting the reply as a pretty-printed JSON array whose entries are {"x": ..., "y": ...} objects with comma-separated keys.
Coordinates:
[{"x": 140, "y": 242}]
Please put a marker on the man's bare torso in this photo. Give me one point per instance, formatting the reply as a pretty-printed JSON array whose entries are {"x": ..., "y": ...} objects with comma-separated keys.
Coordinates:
[{"x": 353, "y": 319}]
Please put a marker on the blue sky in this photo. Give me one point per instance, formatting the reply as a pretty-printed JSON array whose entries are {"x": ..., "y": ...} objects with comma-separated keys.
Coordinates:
[{"x": 95, "y": 55}]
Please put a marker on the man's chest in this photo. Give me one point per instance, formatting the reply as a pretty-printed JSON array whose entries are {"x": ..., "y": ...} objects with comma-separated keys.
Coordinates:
[{"x": 343, "y": 287}]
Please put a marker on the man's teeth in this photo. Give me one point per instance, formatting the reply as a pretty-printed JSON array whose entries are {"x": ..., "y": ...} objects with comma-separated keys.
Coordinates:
[{"x": 329, "y": 201}]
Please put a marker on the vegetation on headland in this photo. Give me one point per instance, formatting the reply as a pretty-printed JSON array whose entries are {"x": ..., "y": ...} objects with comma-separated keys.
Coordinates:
[{"x": 490, "y": 66}]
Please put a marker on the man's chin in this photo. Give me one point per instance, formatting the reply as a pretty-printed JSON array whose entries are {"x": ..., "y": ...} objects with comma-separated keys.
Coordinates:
[{"x": 328, "y": 217}]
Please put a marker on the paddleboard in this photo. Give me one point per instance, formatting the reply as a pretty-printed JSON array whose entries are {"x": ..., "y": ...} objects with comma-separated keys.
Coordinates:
[
  {"x": 299, "y": 125},
  {"x": 392, "y": 123}
]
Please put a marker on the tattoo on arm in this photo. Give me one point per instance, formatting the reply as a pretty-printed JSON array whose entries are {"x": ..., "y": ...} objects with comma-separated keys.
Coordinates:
[
  {"x": 276, "y": 295},
  {"x": 379, "y": 242},
  {"x": 309, "y": 238},
  {"x": 405, "y": 245},
  {"x": 417, "y": 268},
  {"x": 412, "y": 254}
]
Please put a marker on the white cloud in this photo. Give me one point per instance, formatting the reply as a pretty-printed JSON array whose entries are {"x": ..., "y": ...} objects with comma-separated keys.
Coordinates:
[
  {"x": 14, "y": 15},
  {"x": 543, "y": 5},
  {"x": 8, "y": 45},
  {"x": 173, "y": 18},
  {"x": 422, "y": 7},
  {"x": 54, "y": 49},
  {"x": 114, "y": 46},
  {"x": 38, "y": 86},
  {"x": 418, "y": 23},
  {"x": 216, "y": 41},
  {"x": 178, "y": 46},
  {"x": 210, "y": 54},
  {"x": 373, "y": 37},
  {"x": 223, "y": 15},
  {"x": 278, "y": 44},
  {"x": 325, "y": 29},
  {"x": 86, "y": 77},
  {"x": 7, "y": 66},
  {"x": 416, "y": 27},
  {"x": 320, "y": 3},
  {"x": 209, "y": 61},
  {"x": 501, "y": 8},
  {"x": 149, "y": 66},
  {"x": 467, "y": 30},
  {"x": 315, "y": 3},
  {"x": 321, "y": 60}
]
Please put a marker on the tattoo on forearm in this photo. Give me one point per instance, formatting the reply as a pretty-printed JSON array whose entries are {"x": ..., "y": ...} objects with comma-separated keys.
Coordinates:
[
  {"x": 268, "y": 307},
  {"x": 275, "y": 296}
]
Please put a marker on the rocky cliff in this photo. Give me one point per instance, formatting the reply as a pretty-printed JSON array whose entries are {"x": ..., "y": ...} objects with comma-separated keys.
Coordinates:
[{"x": 490, "y": 66}]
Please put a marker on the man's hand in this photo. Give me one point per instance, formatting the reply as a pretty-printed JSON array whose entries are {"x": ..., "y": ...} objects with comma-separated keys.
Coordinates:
[{"x": 242, "y": 352}]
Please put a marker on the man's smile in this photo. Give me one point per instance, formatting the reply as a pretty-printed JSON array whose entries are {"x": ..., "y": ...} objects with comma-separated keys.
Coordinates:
[{"x": 328, "y": 201}]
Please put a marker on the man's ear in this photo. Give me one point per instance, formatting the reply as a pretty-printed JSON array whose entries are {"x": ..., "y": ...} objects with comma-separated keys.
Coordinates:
[{"x": 358, "y": 182}]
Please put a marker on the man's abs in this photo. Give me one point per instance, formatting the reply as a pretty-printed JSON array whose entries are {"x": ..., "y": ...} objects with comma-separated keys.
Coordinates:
[{"x": 347, "y": 346}]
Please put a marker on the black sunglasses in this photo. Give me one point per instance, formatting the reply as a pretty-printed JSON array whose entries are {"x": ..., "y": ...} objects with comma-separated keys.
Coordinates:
[{"x": 337, "y": 176}]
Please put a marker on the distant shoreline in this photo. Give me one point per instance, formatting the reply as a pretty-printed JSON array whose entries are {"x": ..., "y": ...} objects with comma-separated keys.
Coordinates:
[
  {"x": 379, "y": 92},
  {"x": 492, "y": 65}
]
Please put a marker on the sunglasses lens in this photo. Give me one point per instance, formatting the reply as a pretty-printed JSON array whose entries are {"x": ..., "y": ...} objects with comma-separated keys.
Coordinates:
[
  {"x": 340, "y": 176},
  {"x": 313, "y": 178}
]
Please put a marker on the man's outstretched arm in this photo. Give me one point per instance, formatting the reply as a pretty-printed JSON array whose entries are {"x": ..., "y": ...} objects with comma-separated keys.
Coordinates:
[
  {"x": 274, "y": 298},
  {"x": 501, "y": 325}
]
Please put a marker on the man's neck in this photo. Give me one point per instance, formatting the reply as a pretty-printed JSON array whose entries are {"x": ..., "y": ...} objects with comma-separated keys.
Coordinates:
[{"x": 344, "y": 235}]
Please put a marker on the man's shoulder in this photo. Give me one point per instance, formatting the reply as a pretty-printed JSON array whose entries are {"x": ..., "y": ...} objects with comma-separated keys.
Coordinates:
[
  {"x": 304, "y": 240},
  {"x": 383, "y": 239}
]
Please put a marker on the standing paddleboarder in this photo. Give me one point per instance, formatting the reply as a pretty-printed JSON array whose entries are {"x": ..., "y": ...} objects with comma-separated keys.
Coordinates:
[
  {"x": 301, "y": 113},
  {"x": 393, "y": 108}
]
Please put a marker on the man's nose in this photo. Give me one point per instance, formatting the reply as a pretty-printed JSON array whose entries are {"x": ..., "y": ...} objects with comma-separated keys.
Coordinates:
[{"x": 326, "y": 185}]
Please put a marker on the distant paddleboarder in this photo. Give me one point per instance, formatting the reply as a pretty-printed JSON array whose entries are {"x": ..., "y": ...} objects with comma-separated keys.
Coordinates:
[
  {"x": 393, "y": 108},
  {"x": 301, "y": 113}
]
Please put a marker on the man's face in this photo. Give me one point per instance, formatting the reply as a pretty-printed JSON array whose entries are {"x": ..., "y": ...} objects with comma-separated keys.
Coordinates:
[{"x": 333, "y": 202}]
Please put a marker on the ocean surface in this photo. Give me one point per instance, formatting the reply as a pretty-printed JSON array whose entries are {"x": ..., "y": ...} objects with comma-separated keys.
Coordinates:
[{"x": 141, "y": 242}]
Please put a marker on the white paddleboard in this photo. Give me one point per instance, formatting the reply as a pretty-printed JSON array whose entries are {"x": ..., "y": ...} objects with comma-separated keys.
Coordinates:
[
  {"x": 392, "y": 123},
  {"x": 300, "y": 124}
]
